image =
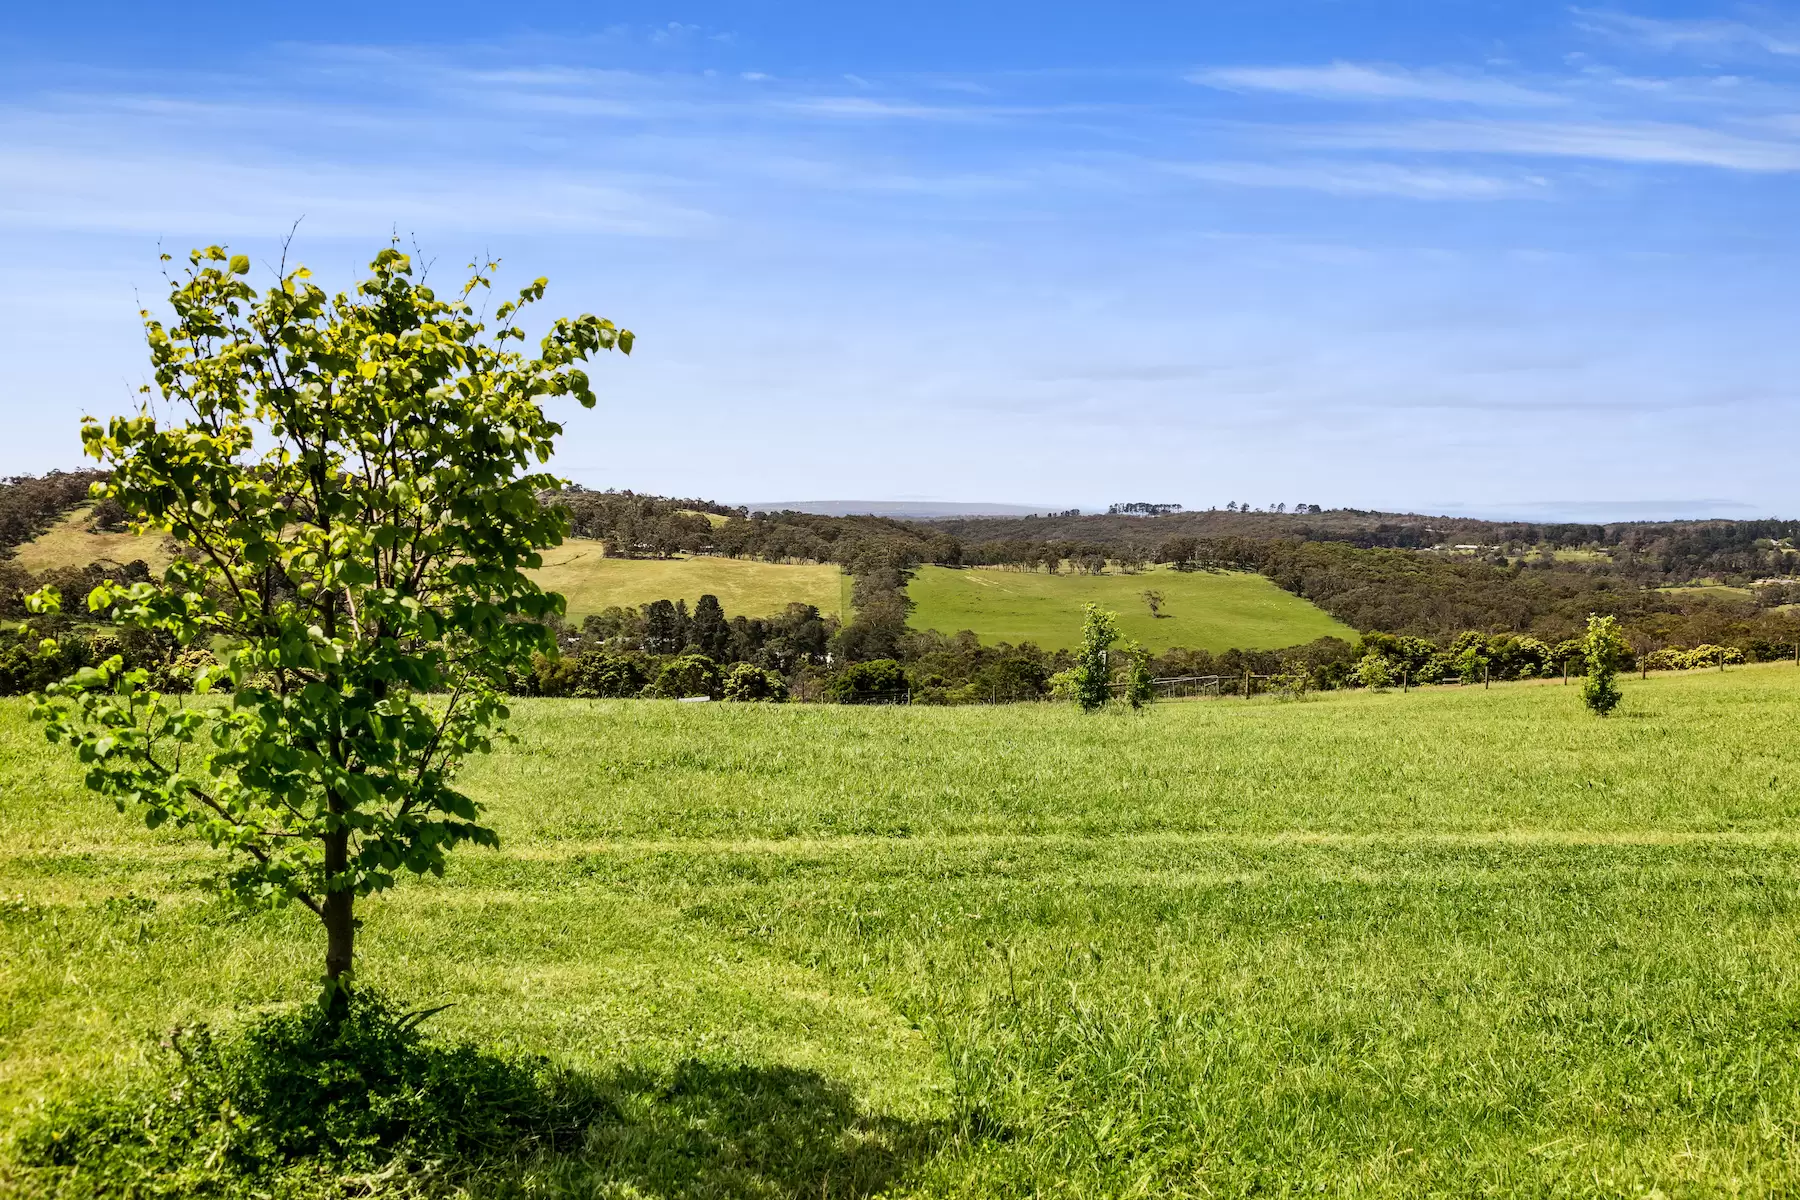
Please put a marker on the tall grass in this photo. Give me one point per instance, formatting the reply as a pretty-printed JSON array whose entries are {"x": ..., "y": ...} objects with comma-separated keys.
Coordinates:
[{"x": 1446, "y": 943}]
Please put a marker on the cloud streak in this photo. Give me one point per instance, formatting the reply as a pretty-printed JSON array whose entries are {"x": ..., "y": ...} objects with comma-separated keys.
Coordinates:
[
  {"x": 1644, "y": 142},
  {"x": 1357, "y": 82},
  {"x": 1711, "y": 37},
  {"x": 1368, "y": 179}
]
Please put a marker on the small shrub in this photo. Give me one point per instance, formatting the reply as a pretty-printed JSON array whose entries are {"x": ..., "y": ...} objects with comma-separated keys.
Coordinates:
[
  {"x": 607, "y": 676},
  {"x": 876, "y": 681},
  {"x": 688, "y": 675},
  {"x": 1705, "y": 655},
  {"x": 1139, "y": 682},
  {"x": 749, "y": 683},
  {"x": 1374, "y": 673}
]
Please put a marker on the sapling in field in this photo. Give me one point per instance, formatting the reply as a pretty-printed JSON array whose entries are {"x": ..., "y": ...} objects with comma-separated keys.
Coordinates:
[
  {"x": 1140, "y": 683},
  {"x": 1605, "y": 649},
  {"x": 1092, "y": 676},
  {"x": 353, "y": 478}
]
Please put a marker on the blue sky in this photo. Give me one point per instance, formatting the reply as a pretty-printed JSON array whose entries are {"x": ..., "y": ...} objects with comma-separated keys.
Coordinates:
[{"x": 1503, "y": 258}]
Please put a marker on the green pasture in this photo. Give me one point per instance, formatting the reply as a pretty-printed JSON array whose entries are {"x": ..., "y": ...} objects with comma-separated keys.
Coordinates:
[
  {"x": 73, "y": 542},
  {"x": 1208, "y": 610},
  {"x": 1721, "y": 590},
  {"x": 1449, "y": 943},
  {"x": 580, "y": 570}
]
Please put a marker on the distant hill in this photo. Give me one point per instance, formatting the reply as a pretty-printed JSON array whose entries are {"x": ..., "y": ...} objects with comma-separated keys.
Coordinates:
[
  {"x": 1210, "y": 610},
  {"x": 915, "y": 510}
]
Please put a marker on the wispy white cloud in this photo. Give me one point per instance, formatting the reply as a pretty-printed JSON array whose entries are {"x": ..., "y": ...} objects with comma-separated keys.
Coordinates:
[
  {"x": 183, "y": 195},
  {"x": 1623, "y": 142},
  {"x": 1369, "y": 179},
  {"x": 1356, "y": 81},
  {"x": 1697, "y": 36}
]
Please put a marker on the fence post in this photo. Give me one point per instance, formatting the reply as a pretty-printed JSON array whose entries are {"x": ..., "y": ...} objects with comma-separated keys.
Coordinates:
[
  {"x": 1246, "y": 685},
  {"x": 1565, "y": 672},
  {"x": 1403, "y": 681},
  {"x": 1721, "y": 658},
  {"x": 1484, "y": 676}
]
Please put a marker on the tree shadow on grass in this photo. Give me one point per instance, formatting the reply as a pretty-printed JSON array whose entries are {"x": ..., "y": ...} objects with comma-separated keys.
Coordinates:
[
  {"x": 722, "y": 1130},
  {"x": 307, "y": 1104}
]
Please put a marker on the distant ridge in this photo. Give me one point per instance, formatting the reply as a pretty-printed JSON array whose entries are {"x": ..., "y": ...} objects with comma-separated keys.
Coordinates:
[{"x": 918, "y": 510}]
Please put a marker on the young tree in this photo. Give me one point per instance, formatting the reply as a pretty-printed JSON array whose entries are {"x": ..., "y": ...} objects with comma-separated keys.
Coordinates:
[
  {"x": 1092, "y": 673},
  {"x": 1605, "y": 650},
  {"x": 1140, "y": 686},
  {"x": 1154, "y": 599},
  {"x": 353, "y": 477}
]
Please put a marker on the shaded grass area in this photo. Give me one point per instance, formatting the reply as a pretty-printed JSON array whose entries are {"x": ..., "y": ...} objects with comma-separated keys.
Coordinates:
[
  {"x": 1207, "y": 610},
  {"x": 1453, "y": 942},
  {"x": 300, "y": 1104},
  {"x": 580, "y": 570}
]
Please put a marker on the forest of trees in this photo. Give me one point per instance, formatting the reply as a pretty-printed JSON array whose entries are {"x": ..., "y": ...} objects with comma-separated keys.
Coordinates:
[{"x": 1433, "y": 583}]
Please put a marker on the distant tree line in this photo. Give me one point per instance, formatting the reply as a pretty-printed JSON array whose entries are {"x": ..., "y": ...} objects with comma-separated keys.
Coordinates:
[{"x": 1372, "y": 571}]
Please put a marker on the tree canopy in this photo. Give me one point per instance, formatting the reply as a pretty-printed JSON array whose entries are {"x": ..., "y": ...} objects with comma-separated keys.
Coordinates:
[{"x": 355, "y": 480}]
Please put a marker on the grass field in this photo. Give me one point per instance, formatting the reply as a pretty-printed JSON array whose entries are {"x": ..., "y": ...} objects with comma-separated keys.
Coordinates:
[
  {"x": 592, "y": 582},
  {"x": 1721, "y": 590},
  {"x": 1207, "y": 610},
  {"x": 72, "y": 542},
  {"x": 1457, "y": 942}
]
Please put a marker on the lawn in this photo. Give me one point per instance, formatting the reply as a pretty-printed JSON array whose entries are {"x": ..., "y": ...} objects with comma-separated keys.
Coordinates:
[
  {"x": 1207, "y": 610},
  {"x": 73, "y": 542},
  {"x": 1454, "y": 942},
  {"x": 580, "y": 571}
]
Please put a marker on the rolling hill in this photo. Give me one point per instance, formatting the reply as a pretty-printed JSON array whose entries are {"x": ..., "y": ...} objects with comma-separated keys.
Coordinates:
[
  {"x": 1203, "y": 609},
  {"x": 580, "y": 570}
]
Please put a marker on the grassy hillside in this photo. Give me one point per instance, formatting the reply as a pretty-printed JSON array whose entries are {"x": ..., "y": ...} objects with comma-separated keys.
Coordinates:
[
  {"x": 1207, "y": 610},
  {"x": 1457, "y": 942},
  {"x": 73, "y": 542},
  {"x": 580, "y": 570}
]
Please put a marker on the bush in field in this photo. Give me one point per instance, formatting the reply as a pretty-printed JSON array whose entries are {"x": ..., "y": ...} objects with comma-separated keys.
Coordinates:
[
  {"x": 749, "y": 682},
  {"x": 1605, "y": 650},
  {"x": 352, "y": 479},
  {"x": 601, "y": 676},
  {"x": 1093, "y": 675},
  {"x": 1706, "y": 655},
  {"x": 879, "y": 680},
  {"x": 1374, "y": 672},
  {"x": 43, "y": 651},
  {"x": 688, "y": 675},
  {"x": 1139, "y": 683},
  {"x": 1011, "y": 678}
]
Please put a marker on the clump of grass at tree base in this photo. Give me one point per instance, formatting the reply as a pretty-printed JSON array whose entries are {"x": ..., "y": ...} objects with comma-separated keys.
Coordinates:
[
  {"x": 296, "y": 1100},
  {"x": 313, "y": 1103}
]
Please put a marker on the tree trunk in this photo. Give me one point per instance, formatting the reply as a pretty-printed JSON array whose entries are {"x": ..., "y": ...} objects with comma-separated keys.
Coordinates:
[{"x": 340, "y": 915}]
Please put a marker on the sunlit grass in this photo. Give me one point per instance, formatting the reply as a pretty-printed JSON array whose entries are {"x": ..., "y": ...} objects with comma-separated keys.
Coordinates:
[
  {"x": 580, "y": 570},
  {"x": 73, "y": 542},
  {"x": 1453, "y": 942},
  {"x": 1207, "y": 610}
]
